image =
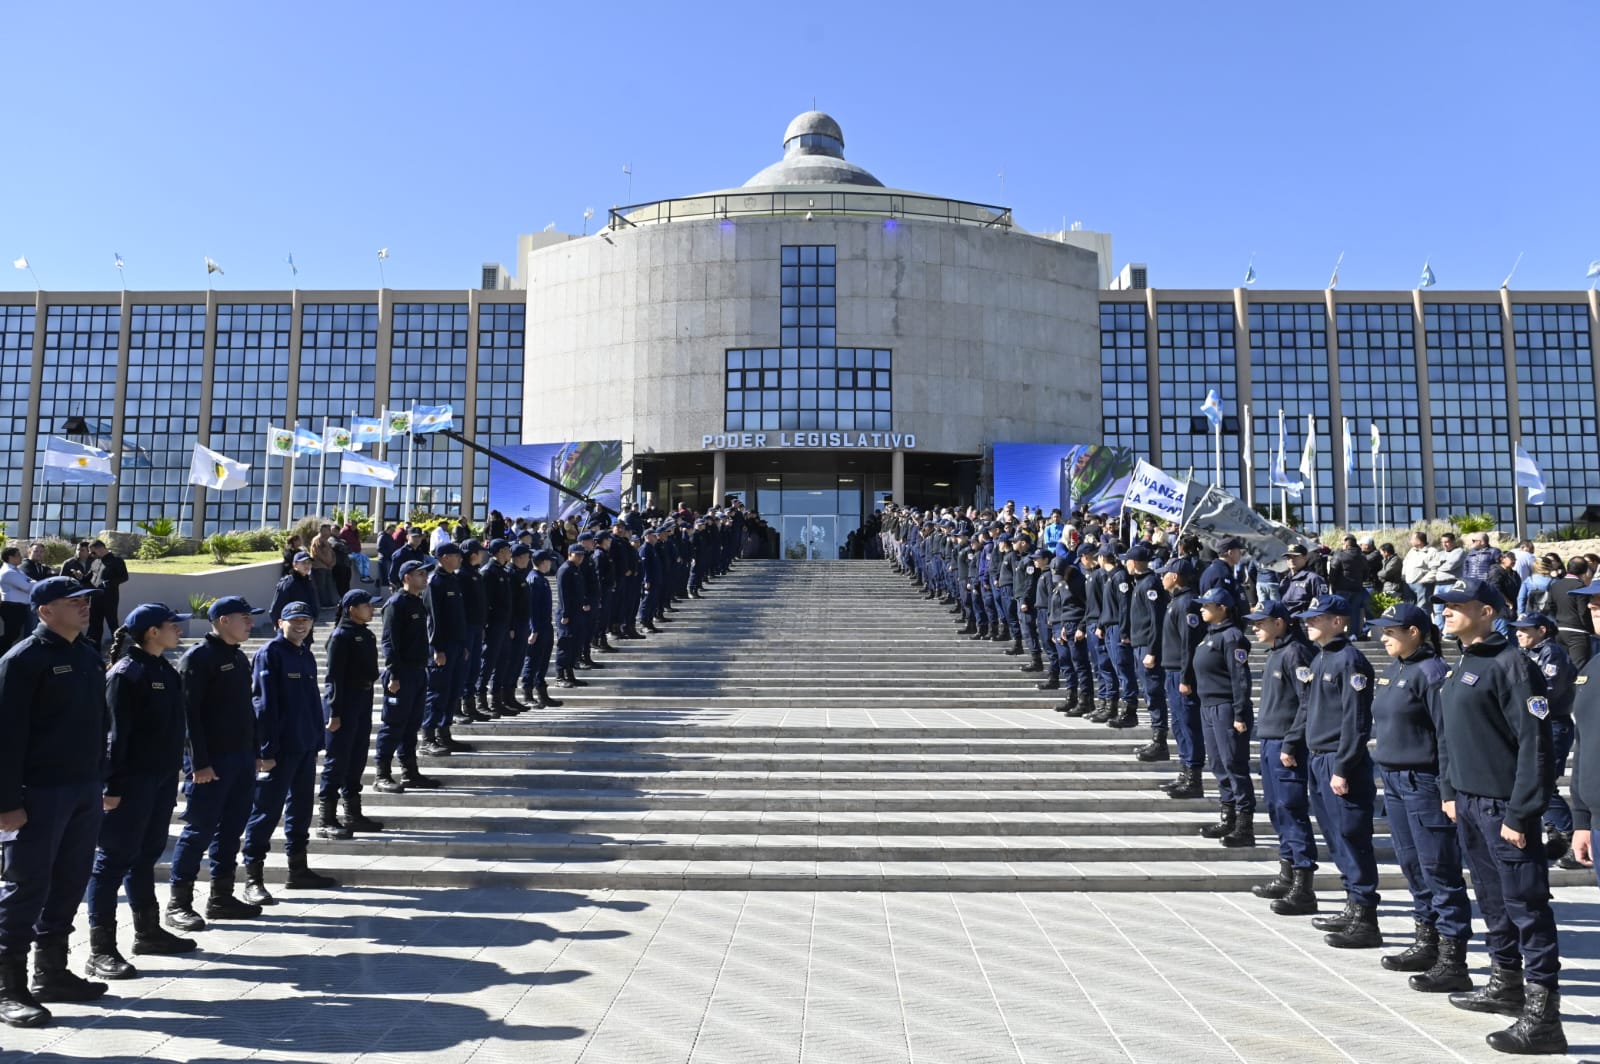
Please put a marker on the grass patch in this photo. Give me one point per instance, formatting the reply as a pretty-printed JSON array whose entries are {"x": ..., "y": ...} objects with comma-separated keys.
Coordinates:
[{"x": 202, "y": 562}]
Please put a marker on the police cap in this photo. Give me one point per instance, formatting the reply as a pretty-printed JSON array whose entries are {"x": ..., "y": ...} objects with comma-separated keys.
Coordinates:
[
  {"x": 296, "y": 610},
  {"x": 447, "y": 549},
  {"x": 1275, "y": 611},
  {"x": 1402, "y": 615},
  {"x": 359, "y": 597},
  {"x": 407, "y": 568},
  {"x": 56, "y": 588},
  {"x": 1472, "y": 591},
  {"x": 1217, "y": 596},
  {"x": 151, "y": 615},
  {"x": 545, "y": 556},
  {"x": 231, "y": 604},
  {"x": 498, "y": 545},
  {"x": 1323, "y": 605}
]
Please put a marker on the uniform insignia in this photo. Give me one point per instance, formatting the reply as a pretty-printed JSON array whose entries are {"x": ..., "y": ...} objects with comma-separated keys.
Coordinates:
[
  {"x": 1539, "y": 706},
  {"x": 1327, "y": 676},
  {"x": 1359, "y": 682},
  {"x": 1383, "y": 681},
  {"x": 1277, "y": 674},
  {"x": 1580, "y": 680},
  {"x": 292, "y": 675},
  {"x": 1151, "y": 594},
  {"x": 1402, "y": 683},
  {"x": 1194, "y": 622},
  {"x": 158, "y": 686},
  {"x": 1123, "y": 587},
  {"x": 1550, "y": 671},
  {"x": 1241, "y": 655},
  {"x": 1469, "y": 678},
  {"x": 1304, "y": 674},
  {"x": 226, "y": 667},
  {"x": 61, "y": 670}
]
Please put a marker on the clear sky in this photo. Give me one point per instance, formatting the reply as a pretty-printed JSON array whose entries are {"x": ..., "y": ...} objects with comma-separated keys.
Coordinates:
[{"x": 1198, "y": 134}]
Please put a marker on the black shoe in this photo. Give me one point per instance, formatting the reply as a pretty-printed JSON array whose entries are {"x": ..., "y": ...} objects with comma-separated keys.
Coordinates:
[
  {"x": 1156, "y": 748},
  {"x": 1273, "y": 889},
  {"x": 105, "y": 960},
  {"x": 1538, "y": 1029},
  {"x": 1556, "y": 845},
  {"x": 545, "y": 701},
  {"x": 1035, "y": 663},
  {"x": 149, "y": 937},
  {"x": 1340, "y": 920},
  {"x": 1570, "y": 862},
  {"x": 1361, "y": 932},
  {"x": 1085, "y": 704},
  {"x": 415, "y": 780},
  {"x": 1226, "y": 819},
  {"x": 301, "y": 877},
  {"x": 1420, "y": 955},
  {"x": 1015, "y": 649},
  {"x": 1103, "y": 711},
  {"x": 433, "y": 748},
  {"x": 1302, "y": 897},
  {"x": 1049, "y": 683},
  {"x": 1188, "y": 784},
  {"x": 222, "y": 905},
  {"x": 52, "y": 981},
  {"x": 1503, "y": 994},
  {"x": 388, "y": 785},
  {"x": 1449, "y": 971},
  {"x": 18, "y": 1007},
  {"x": 255, "y": 886},
  {"x": 1128, "y": 718},
  {"x": 180, "y": 914},
  {"x": 1243, "y": 833},
  {"x": 328, "y": 823},
  {"x": 354, "y": 819}
]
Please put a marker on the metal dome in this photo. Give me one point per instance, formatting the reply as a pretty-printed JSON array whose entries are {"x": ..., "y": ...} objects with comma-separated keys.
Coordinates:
[
  {"x": 813, "y": 154},
  {"x": 813, "y": 122}
]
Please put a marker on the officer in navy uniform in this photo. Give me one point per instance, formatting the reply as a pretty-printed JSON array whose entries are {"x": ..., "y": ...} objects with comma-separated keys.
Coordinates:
[
  {"x": 1303, "y": 583},
  {"x": 1222, "y": 684},
  {"x": 521, "y": 622},
  {"x": 447, "y": 636},
  {"x": 1585, "y": 788},
  {"x": 219, "y": 767},
  {"x": 606, "y": 572},
  {"x": 496, "y": 687},
  {"x": 1147, "y": 614},
  {"x": 1220, "y": 573},
  {"x": 588, "y": 618},
  {"x": 540, "y": 640},
  {"x": 1181, "y": 631},
  {"x": 1406, "y": 729},
  {"x": 347, "y": 716},
  {"x": 1005, "y": 607},
  {"x": 1066, "y": 627},
  {"x": 145, "y": 695},
  {"x": 625, "y": 546},
  {"x": 1024, "y": 590},
  {"x": 406, "y": 656},
  {"x": 289, "y": 731},
  {"x": 650, "y": 566},
  {"x": 1494, "y": 759},
  {"x": 1117, "y": 612},
  {"x": 472, "y": 705},
  {"x": 1539, "y": 637},
  {"x": 415, "y": 549},
  {"x": 1094, "y": 596},
  {"x": 1337, "y": 723},
  {"x": 53, "y": 714},
  {"x": 1285, "y": 761},
  {"x": 572, "y": 603},
  {"x": 296, "y": 586}
]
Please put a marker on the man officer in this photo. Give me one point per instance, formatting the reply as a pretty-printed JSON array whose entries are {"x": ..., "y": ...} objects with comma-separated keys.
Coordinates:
[
  {"x": 447, "y": 638},
  {"x": 572, "y": 604},
  {"x": 406, "y": 656}
]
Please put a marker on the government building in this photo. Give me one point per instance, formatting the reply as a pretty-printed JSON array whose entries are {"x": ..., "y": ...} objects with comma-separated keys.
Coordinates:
[{"x": 813, "y": 340}]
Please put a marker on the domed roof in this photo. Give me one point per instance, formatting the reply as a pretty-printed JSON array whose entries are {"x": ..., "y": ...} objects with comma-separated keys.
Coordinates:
[{"x": 813, "y": 154}]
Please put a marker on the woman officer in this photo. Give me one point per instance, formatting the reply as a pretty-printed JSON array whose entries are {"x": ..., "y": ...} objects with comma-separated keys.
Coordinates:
[
  {"x": 1221, "y": 667},
  {"x": 352, "y": 670}
]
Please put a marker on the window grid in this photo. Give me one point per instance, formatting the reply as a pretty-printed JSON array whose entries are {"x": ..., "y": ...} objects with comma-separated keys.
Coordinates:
[
  {"x": 1289, "y": 372},
  {"x": 161, "y": 412},
  {"x": 1470, "y": 424},
  {"x": 16, "y": 392},
  {"x": 1195, "y": 352},
  {"x": 79, "y": 380},
  {"x": 249, "y": 391},
  {"x": 1124, "y": 377},
  {"x": 1378, "y": 386},
  {"x": 338, "y": 371},
  {"x": 498, "y": 416},
  {"x": 428, "y": 365},
  {"x": 1556, "y": 407}
]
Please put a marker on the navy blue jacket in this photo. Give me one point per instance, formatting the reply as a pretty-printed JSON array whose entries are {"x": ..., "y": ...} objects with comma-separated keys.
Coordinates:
[
  {"x": 1181, "y": 631},
  {"x": 52, "y": 714},
  {"x": 292, "y": 588},
  {"x": 405, "y": 553},
  {"x": 573, "y": 595},
  {"x": 495, "y": 581},
  {"x": 1405, "y": 713},
  {"x": 541, "y": 606},
  {"x": 1284, "y": 680},
  {"x": 517, "y": 593},
  {"x": 220, "y": 712},
  {"x": 474, "y": 604},
  {"x": 1336, "y": 712},
  {"x": 1222, "y": 670},
  {"x": 145, "y": 696},
  {"x": 1220, "y": 574},
  {"x": 1555, "y": 665},
  {"x": 1586, "y": 745},
  {"x": 1118, "y": 591},
  {"x": 1494, "y": 741},
  {"x": 447, "y": 617},
  {"x": 288, "y": 704},
  {"x": 1147, "y": 610},
  {"x": 352, "y": 670},
  {"x": 405, "y": 632}
]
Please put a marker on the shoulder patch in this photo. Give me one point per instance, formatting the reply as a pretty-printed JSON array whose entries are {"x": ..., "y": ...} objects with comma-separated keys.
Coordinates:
[
  {"x": 1469, "y": 678},
  {"x": 1194, "y": 621},
  {"x": 1241, "y": 655},
  {"x": 1539, "y": 706},
  {"x": 1551, "y": 670},
  {"x": 1123, "y": 587},
  {"x": 1152, "y": 594},
  {"x": 1359, "y": 682},
  {"x": 225, "y": 668},
  {"x": 1304, "y": 674}
]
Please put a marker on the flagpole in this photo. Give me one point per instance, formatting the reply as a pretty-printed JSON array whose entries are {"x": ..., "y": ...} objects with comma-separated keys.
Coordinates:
[
  {"x": 1217, "y": 432},
  {"x": 266, "y": 475},
  {"x": 377, "y": 506},
  {"x": 322, "y": 466},
  {"x": 1383, "y": 491},
  {"x": 183, "y": 502},
  {"x": 1377, "y": 511},
  {"x": 411, "y": 469},
  {"x": 1249, "y": 462},
  {"x": 1283, "y": 492},
  {"x": 1311, "y": 429}
]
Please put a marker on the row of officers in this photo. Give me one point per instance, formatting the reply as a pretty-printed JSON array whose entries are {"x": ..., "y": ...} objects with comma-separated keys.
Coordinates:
[
  {"x": 1469, "y": 753},
  {"x": 95, "y": 758}
]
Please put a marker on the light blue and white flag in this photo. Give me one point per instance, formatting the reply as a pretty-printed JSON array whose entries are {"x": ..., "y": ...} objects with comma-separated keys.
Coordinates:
[
  {"x": 1279, "y": 477},
  {"x": 1428, "y": 280},
  {"x": 1250, "y": 274},
  {"x": 367, "y": 472},
  {"x": 430, "y": 418},
  {"x": 1212, "y": 409},
  {"x": 1349, "y": 450},
  {"x": 365, "y": 430},
  {"x": 294, "y": 271},
  {"x": 66, "y": 462},
  {"x": 1529, "y": 476},
  {"x": 306, "y": 442},
  {"x": 1594, "y": 270}
]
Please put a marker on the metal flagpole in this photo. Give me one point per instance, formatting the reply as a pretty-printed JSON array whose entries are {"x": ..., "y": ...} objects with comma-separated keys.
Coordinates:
[
  {"x": 411, "y": 470},
  {"x": 1377, "y": 512},
  {"x": 1283, "y": 492},
  {"x": 322, "y": 466},
  {"x": 377, "y": 511},
  {"x": 266, "y": 475},
  {"x": 183, "y": 502},
  {"x": 1311, "y": 429},
  {"x": 1217, "y": 432},
  {"x": 1249, "y": 462}
]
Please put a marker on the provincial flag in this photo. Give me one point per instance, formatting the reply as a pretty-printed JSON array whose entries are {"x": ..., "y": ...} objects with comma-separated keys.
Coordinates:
[
  {"x": 211, "y": 265},
  {"x": 208, "y": 469},
  {"x": 339, "y": 439},
  {"x": 1377, "y": 442},
  {"x": 66, "y": 462},
  {"x": 280, "y": 442},
  {"x": 397, "y": 422}
]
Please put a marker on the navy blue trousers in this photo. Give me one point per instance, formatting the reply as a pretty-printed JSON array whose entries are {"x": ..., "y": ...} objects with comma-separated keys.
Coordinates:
[
  {"x": 214, "y": 817},
  {"x": 345, "y": 760},
  {"x": 288, "y": 794},
  {"x": 445, "y": 684},
  {"x": 1122, "y": 663},
  {"x": 1153, "y": 682},
  {"x": 471, "y": 664},
  {"x": 1425, "y": 847},
  {"x": 538, "y": 658},
  {"x": 1346, "y": 823},
  {"x": 491, "y": 671},
  {"x": 1286, "y": 795},
  {"x": 1029, "y": 621},
  {"x": 1229, "y": 751},
  {"x": 402, "y": 716},
  {"x": 1105, "y": 674},
  {"x": 1513, "y": 891},
  {"x": 132, "y": 838},
  {"x": 1558, "y": 814},
  {"x": 1184, "y": 709},
  {"x": 46, "y": 867}
]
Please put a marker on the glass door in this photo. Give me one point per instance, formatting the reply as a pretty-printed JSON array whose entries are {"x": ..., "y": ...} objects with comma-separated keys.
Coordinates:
[{"x": 810, "y": 537}]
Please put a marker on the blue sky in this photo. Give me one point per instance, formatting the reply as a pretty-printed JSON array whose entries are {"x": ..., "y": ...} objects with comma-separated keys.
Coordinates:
[{"x": 1197, "y": 134}]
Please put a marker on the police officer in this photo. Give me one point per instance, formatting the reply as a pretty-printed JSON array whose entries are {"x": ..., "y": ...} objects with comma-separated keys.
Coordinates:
[
  {"x": 650, "y": 566},
  {"x": 447, "y": 639},
  {"x": 1222, "y": 684},
  {"x": 219, "y": 767},
  {"x": 1494, "y": 753},
  {"x": 606, "y": 581},
  {"x": 1181, "y": 631},
  {"x": 1066, "y": 628},
  {"x": 496, "y": 684},
  {"x": 406, "y": 656},
  {"x": 1005, "y": 608},
  {"x": 347, "y": 716},
  {"x": 415, "y": 549},
  {"x": 1337, "y": 708},
  {"x": 1220, "y": 573},
  {"x": 1585, "y": 787},
  {"x": 1024, "y": 589},
  {"x": 53, "y": 714},
  {"x": 1424, "y": 840},
  {"x": 1285, "y": 761},
  {"x": 289, "y": 730},
  {"x": 1147, "y": 614},
  {"x": 1094, "y": 596},
  {"x": 1023, "y": 577},
  {"x": 521, "y": 624},
  {"x": 572, "y": 603},
  {"x": 1302, "y": 584},
  {"x": 1537, "y": 635},
  {"x": 540, "y": 638},
  {"x": 1115, "y": 615},
  {"x": 294, "y": 586},
  {"x": 472, "y": 706},
  {"x": 145, "y": 695}
]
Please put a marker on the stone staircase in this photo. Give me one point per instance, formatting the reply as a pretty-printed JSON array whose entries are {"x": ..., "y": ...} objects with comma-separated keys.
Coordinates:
[{"x": 804, "y": 726}]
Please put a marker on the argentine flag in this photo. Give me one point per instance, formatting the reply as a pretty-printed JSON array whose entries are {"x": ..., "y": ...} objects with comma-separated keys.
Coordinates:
[
  {"x": 367, "y": 472},
  {"x": 365, "y": 430},
  {"x": 66, "y": 462},
  {"x": 1212, "y": 409},
  {"x": 1529, "y": 476},
  {"x": 208, "y": 469},
  {"x": 306, "y": 442},
  {"x": 430, "y": 418}
]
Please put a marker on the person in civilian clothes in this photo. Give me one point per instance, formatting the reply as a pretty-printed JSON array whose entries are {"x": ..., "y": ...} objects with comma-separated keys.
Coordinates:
[
  {"x": 1494, "y": 758},
  {"x": 572, "y": 602},
  {"x": 1285, "y": 763},
  {"x": 347, "y": 716},
  {"x": 219, "y": 767},
  {"x": 1181, "y": 631},
  {"x": 1222, "y": 687},
  {"x": 1406, "y": 727},
  {"x": 289, "y": 731},
  {"x": 406, "y": 655},
  {"x": 1336, "y": 719},
  {"x": 541, "y": 635},
  {"x": 1536, "y": 635},
  {"x": 145, "y": 695}
]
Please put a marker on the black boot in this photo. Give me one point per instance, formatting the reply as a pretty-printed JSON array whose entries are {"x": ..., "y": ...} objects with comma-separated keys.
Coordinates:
[
  {"x": 328, "y": 825},
  {"x": 1069, "y": 703},
  {"x": 1015, "y": 649},
  {"x": 149, "y": 937},
  {"x": 18, "y": 1007},
  {"x": 1503, "y": 993},
  {"x": 354, "y": 819},
  {"x": 1273, "y": 889},
  {"x": 1361, "y": 932},
  {"x": 1420, "y": 955},
  {"x": 1449, "y": 971},
  {"x": 1226, "y": 819},
  {"x": 1085, "y": 704},
  {"x": 451, "y": 743},
  {"x": 52, "y": 980},
  {"x": 180, "y": 915},
  {"x": 1156, "y": 748},
  {"x": 529, "y": 698},
  {"x": 255, "y": 885},
  {"x": 1128, "y": 718},
  {"x": 384, "y": 783},
  {"x": 1035, "y": 662},
  {"x": 1243, "y": 833},
  {"x": 564, "y": 678},
  {"x": 1538, "y": 1029},
  {"x": 1049, "y": 683},
  {"x": 983, "y": 633},
  {"x": 105, "y": 960},
  {"x": 1556, "y": 845},
  {"x": 545, "y": 701},
  {"x": 1104, "y": 710},
  {"x": 1188, "y": 784},
  {"x": 1000, "y": 633},
  {"x": 301, "y": 877},
  {"x": 1302, "y": 897},
  {"x": 1338, "y": 921},
  {"x": 411, "y": 776},
  {"x": 222, "y": 905}
]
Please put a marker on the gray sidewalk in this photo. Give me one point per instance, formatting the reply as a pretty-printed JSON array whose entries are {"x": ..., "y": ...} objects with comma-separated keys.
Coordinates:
[{"x": 745, "y": 978}]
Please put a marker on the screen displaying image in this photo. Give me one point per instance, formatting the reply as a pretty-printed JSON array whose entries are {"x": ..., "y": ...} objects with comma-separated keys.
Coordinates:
[
  {"x": 591, "y": 467},
  {"x": 1068, "y": 475}
]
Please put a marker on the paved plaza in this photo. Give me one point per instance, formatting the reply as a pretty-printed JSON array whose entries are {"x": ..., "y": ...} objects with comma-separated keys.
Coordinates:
[{"x": 492, "y": 975}]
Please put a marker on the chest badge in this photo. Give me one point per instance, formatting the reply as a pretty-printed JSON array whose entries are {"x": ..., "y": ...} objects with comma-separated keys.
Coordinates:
[
  {"x": 1383, "y": 681},
  {"x": 1539, "y": 706},
  {"x": 1194, "y": 622},
  {"x": 1580, "y": 681},
  {"x": 1469, "y": 678},
  {"x": 1359, "y": 682}
]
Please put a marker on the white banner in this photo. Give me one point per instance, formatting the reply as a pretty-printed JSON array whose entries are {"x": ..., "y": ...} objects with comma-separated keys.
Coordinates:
[{"x": 1152, "y": 491}]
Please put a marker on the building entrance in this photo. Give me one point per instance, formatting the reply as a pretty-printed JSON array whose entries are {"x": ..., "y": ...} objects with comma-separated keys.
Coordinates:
[{"x": 809, "y": 537}]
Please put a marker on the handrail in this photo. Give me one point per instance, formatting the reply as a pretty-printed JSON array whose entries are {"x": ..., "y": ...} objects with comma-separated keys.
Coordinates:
[{"x": 744, "y": 204}]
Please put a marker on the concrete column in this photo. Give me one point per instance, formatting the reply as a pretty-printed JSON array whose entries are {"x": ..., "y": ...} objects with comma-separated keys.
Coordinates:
[
  {"x": 208, "y": 377},
  {"x": 124, "y": 336},
  {"x": 1508, "y": 349},
  {"x": 1341, "y": 490},
  {"x": 719, "y": 477},
  {"x": 30, "y": 444},
  {"x": 1430, "y": 501},
  {"x": 897, "y": 477}
]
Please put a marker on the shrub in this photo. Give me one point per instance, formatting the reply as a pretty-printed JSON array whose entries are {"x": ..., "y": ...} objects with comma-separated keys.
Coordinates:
[
  {"x": 153, "y": 547},
  {"x": 1378, "y": 602},
  {"x": 1468, "y": 523},
  {"x": 306, "y": 528},
  {"x": 199, "y": 604},
  {"x": 262, "y": 539},
  {"x": 159, "y": 527},
  {"x": 224, "y": 545},
  {"x": 1567, "y": 533},
  {"x": 362, "y": 521}
]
